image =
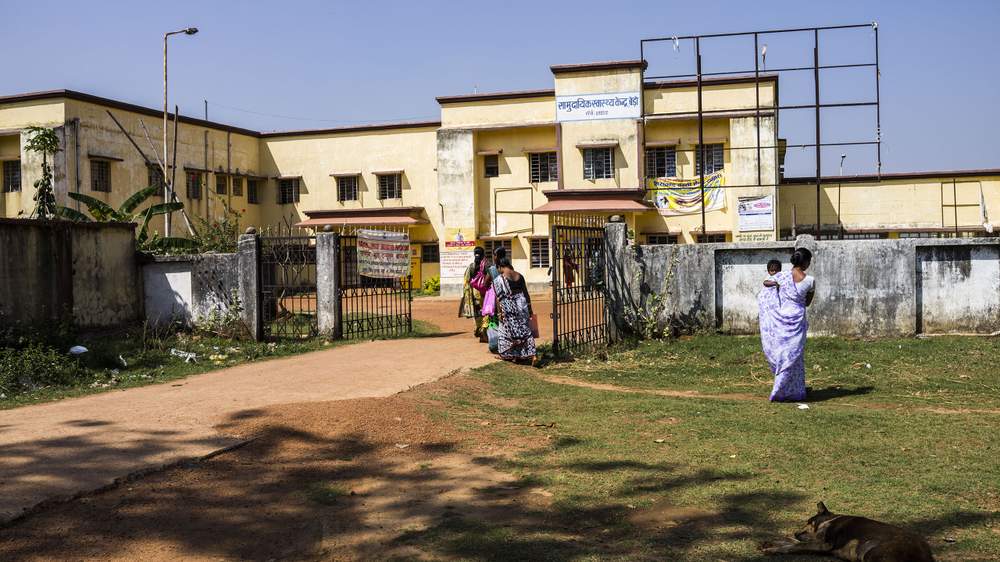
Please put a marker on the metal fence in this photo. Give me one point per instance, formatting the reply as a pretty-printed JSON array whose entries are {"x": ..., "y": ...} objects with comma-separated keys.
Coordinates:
[
  {"x": 288, "y": 286},
  {"x": 371, "y": 307}
]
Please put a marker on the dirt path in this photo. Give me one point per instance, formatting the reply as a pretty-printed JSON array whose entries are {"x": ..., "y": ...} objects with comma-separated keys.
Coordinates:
[{"x": 61, "y": 448}]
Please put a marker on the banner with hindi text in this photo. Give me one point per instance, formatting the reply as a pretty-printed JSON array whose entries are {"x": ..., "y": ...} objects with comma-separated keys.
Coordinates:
[
  {"x": 675, "y": 196},
  {"x": 383, "y": 254}
]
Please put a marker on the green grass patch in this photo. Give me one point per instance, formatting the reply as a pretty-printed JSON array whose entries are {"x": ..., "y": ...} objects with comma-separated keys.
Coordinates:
[{"x": 641, "y": 476}]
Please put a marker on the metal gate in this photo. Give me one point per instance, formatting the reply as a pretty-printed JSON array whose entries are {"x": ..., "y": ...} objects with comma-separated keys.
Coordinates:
[
  {"x": 288, "y": 286},
  {"x": 579, "y": 311},
  {"x": 371, "y": 307}
]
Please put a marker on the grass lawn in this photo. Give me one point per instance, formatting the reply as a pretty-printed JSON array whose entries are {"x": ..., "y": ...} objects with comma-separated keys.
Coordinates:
[
  {"x": 645, "y": 476},
  {"x": 148, "y": 359}
]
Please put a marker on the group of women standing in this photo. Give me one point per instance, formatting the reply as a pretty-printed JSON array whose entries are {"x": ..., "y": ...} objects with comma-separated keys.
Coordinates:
[{"x": 496, "y": 296}]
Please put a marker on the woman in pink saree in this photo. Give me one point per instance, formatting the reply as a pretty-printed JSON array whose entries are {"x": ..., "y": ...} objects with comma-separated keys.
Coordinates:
[{"x": 783, "y": 327}]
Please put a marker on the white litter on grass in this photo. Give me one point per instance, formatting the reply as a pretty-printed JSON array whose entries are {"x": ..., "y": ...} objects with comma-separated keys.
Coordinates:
[
  {"x": 803, "y": 406},
  {"x": 187, "y": 356},
  {"x": 77, "y": 350},
  {"x": 868, "y": 365},
  {"x": 124, "y": 362}
]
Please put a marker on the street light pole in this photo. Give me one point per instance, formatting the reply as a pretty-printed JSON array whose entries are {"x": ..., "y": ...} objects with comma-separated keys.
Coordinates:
[{"x": 167, "y": 187}]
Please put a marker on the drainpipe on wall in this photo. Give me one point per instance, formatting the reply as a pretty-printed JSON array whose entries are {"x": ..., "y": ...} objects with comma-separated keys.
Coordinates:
[{"x": 76, "y": 145}]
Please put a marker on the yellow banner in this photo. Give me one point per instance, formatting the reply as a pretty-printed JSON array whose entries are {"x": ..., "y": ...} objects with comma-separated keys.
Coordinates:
[{"x": 674, "y": 196}]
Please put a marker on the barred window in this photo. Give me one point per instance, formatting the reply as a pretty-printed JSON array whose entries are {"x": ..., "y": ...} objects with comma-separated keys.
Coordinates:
[
  {"x": 253, "y": 196},
  {"x": 598, "y": 163},
  {"x": 100, "y": 176},
  {"x": 221, "y": 184},
  {"x": 539, "y": 252},
  {"x": 661, "y": 239},
  {"x": 237, "y": 186},
  {"x": 288, "y": 191},
  {"x": 544, "y": 167},
  {"x": 347, "y": 188},
  {"x": 714, "y": 158},
  {"x": 154, "y": 178},
  {"x": 865, "y": 235},
  {"x": 390, "y": 186},
  {"x": 711, "y": 238},
  {"x": 193, "y": 183},
  {"x": 11, "y": 176},
  {"x": 430, "y": 253},
  {"x": 490, "y": 245},
  {"x": 661, "y": 162},
  {"x": 491, "y": 166}
]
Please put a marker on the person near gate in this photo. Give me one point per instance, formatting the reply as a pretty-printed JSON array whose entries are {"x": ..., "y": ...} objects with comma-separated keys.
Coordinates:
[{"x": 516, "y": 341}]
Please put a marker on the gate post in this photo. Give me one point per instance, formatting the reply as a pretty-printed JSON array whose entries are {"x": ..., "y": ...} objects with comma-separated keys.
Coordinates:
[
  {"x": 328, "y": 284},
  {"x": 248, "y": 256},
  {"x": 616, "y": 284}
]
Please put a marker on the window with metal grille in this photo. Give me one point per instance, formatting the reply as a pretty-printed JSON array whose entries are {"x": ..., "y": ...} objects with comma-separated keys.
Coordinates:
[
  {"x": 154, "y": 178},
  {"x": 714, "y": 158},
  {"x": 253, "y": 196},
  {"x": 430, "y": 253},
  {"x": 11, "y": 176},
  {"x": 711, "y": 238},
  {"x": 288, "y": 191},
  {"x": 347, "y": 188},
  {"x": 390, "y": 186},
  {"x": 221, "y": 184},
  {"x": 237, "y": 186},
  {"x": 192, "y": 182},
  {"x": 490, "y": 245},
  {"x": 539, "y": 252},
  {"x": 598, "y": 163},
  {"x": 100, "y": 176},
  {"x": 661, "y": 162},
  {"x": 865, "y": 235},
  {"x": 661, "y": 239},
  {"x": 544, "y": 167},
  {"x": 491, "y": 166}
]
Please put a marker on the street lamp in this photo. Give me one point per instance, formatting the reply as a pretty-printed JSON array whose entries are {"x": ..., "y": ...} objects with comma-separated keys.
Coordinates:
[{"x": 166, "y": 185}]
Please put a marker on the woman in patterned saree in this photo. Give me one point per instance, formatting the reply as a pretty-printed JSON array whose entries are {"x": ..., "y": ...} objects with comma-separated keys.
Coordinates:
[
  {"x": 516, "y": 342},
  {"x": 784, "y": 325}
]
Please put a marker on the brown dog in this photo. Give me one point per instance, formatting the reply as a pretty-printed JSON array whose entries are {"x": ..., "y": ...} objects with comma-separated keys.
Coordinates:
[{"x": 855, "y": 539}]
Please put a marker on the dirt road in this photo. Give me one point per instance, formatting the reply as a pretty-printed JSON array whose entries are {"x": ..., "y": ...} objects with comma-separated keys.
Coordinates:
[{"x": 60, "y": 448}]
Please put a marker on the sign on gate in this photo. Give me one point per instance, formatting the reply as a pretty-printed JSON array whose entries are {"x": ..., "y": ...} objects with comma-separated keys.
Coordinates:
[{"x": 383, "y": 254}]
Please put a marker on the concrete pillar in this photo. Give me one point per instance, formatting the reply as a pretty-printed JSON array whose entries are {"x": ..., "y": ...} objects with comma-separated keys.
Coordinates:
[
  {"x": 457, "y": 194},
  {"x": 328, "y": 284},
  {"x": 618, "y": 293},
  {"x": 248, "y": 250}
]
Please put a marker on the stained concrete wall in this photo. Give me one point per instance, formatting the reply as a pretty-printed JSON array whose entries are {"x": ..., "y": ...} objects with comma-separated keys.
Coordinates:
[
  {"x": 863, "y": 287},
  {"x": 56, "y": 270},
  {"x": 190, "y": 289}
]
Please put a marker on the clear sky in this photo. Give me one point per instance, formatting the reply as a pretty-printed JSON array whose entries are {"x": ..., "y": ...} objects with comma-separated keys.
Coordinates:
[{"x": 293, "y": 65}]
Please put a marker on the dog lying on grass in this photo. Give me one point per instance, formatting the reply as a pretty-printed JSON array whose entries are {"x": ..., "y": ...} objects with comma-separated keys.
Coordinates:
[{"x": 855, "y": 539}]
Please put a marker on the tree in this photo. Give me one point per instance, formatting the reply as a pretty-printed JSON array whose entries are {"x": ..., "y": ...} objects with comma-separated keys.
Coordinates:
[
  {"x": 43, "y": 141},
  {"x": 127, "y": 213}
]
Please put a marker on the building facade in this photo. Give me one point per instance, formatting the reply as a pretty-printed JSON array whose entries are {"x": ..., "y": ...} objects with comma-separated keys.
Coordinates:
[{"x": 498, "y": 167}]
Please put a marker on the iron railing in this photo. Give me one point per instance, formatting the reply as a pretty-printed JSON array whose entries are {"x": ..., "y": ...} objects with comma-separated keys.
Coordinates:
[
  {"x": 579, "y": 311},
  {"x": 369, "y": 307},
  {"x": 288, "y": 286}
]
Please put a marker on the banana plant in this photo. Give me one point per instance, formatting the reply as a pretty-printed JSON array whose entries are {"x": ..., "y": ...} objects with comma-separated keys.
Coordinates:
[{"x": 127, "y": 212}]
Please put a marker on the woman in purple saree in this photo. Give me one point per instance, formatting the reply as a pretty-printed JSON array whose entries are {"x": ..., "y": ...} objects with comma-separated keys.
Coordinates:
[{"x": 783, "y": 327}]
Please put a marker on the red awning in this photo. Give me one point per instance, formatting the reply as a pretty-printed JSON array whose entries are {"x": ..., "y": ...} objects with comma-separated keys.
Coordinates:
[
  {"x": 360, "y": 220},
  {"x": 591, "y": 200}
]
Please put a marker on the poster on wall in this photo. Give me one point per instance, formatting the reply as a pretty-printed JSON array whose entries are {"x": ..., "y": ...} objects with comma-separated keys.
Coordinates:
[
  {"x": 756, "y": 213},
  {"x": 586, "y": 107},
  {"x": 383, "y": 254},
  {"x": 459, "y": 245},
  {"x": 674, "y": 196}
]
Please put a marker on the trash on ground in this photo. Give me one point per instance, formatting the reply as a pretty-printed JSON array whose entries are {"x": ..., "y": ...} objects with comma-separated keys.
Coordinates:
[
  {"x": 77, "y": 350},
  {"x": 803, "y": 406},
  {"x": 187, "y": 356}
]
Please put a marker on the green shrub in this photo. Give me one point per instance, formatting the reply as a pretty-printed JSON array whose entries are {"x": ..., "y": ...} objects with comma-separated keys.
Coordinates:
[
  {"x": 34, "y": 366},
  {"x": 432, "y": 285}
]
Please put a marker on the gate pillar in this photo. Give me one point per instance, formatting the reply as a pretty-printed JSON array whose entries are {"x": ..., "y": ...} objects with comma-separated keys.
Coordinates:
[
  {"x": 328, "y": 284},
  {"x": 616, "y": 283},
  {"x": 248, "y": 256}
]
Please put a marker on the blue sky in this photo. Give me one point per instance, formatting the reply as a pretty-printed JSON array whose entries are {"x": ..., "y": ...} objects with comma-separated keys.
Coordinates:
[{"x": 293, "y": 65}]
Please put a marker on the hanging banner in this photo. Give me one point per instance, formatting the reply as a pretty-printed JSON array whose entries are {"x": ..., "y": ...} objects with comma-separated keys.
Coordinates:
[
  {"x": 459, "y": 245},
  {"x": 383, "y": 254},
  {"x": 756, "y": 213},
  {"x": 673, "y": 196},
  {"x": 585, "y": 107}
]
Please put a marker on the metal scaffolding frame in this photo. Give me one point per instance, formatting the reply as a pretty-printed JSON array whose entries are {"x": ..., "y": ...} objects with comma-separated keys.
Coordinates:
[{"x": 817, "y": 106}]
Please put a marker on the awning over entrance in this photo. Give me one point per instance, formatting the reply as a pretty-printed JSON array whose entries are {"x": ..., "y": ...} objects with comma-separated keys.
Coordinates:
[
  {"x": 403, "y": 216},
  {"x": 594, "y": 201}
]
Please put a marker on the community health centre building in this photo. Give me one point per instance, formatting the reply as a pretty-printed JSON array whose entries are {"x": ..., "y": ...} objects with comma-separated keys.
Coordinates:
[{"x": 497, "y": 167}]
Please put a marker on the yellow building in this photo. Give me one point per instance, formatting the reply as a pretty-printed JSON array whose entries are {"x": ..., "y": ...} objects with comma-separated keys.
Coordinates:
[{"x": 497, "y": 167}]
